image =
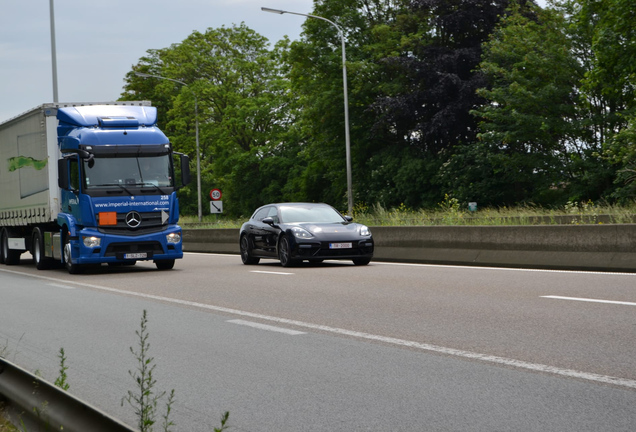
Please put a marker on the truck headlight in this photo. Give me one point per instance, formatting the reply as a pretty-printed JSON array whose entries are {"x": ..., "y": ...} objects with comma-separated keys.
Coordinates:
[
  {"x": 91, "y": 241},
  {"x": 173, "y": 238}
]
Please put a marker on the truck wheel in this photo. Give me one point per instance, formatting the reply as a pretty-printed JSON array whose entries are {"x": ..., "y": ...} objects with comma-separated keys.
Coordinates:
[
  {"x": 165, "y": 264},
  {"x": 68, "y": 263},
  {"x": 41, "y": 261},
  {"x": 9, "y": 256}
]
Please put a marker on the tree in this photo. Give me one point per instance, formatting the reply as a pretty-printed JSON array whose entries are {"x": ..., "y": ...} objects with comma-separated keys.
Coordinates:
[
  {"x": 530, "y": 128},
  {"x": 607, "y": 26},
  {"x": 244, "y": 108},
  {"x": 438, "y": 62}
]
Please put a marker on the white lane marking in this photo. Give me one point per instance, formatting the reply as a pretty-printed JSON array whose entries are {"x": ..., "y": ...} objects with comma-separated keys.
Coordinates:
[
  {"x": 537, "y": 367},
  {"x": 465, "y": 267},
  {"x": 500, "y": 268},
  {"x": 215, "y": 254},
  {"x": 590, "y": 300},
  {"x": 270, "y": 272},
  {"x": 266, "y": 327},
  {"x": 61, "y": 286}
]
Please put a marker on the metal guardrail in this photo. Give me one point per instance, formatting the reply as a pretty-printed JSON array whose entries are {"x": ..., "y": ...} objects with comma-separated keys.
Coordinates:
[{"x": 47, "y": 407}]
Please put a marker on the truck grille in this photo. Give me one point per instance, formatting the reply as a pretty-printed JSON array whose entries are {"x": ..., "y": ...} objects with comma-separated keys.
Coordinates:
[{"x": 150, "y": 222}]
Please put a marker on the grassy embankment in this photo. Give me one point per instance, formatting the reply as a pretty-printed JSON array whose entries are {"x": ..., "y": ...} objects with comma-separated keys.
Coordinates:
[{"x": 450, "y": 212}]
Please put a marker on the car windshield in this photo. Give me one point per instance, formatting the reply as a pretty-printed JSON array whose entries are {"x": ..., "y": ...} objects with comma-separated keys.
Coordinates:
[
  {"x": 128, "y": 171},
  {"x": 310, "y": 213}
]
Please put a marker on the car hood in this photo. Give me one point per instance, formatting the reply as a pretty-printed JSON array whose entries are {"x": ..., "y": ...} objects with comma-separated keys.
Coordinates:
[{"x": 318, "y": 229}]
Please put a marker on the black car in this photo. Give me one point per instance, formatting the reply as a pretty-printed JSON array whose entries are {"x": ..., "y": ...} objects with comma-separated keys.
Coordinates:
[{"x": 293, "y": 232}]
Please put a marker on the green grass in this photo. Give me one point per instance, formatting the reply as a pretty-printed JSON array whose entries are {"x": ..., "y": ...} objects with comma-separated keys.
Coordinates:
[{"x": 451, "y": 212}]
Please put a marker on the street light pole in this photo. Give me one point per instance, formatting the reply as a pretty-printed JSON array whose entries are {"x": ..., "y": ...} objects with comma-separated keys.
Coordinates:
[
  {"x": 346, "y": 99},
  {"x": 196, "y": 120},
  {"x": 53, "y": 52}
]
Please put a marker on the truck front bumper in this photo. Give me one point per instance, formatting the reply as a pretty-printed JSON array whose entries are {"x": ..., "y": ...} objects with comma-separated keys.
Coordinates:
[{"x": 94, "y": 247}]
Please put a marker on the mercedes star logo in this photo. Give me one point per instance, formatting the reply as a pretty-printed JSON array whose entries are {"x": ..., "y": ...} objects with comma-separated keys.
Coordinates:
[{"x": 133, "y": 219}]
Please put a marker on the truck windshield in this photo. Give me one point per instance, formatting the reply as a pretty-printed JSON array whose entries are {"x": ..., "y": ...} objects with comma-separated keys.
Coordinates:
[{"x": 126, "y": 172}]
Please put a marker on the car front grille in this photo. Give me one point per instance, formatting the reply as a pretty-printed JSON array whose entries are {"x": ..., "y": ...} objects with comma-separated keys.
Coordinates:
[{"x": 323, "y": 251}]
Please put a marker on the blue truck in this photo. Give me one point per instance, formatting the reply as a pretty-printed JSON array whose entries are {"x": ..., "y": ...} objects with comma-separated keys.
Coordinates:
[{"x": 84, "y": 184}]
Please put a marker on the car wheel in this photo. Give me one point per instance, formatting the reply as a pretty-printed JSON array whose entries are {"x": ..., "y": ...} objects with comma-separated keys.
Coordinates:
[
  {"x": 68, "y": 263},
  {"x": 361, "y": 261},
  {"x": 41, "y": 261},
  {"x": 165, "y": 264},
  {"x": 284, "y": 252},
  {"x": 246, "y": 252}
]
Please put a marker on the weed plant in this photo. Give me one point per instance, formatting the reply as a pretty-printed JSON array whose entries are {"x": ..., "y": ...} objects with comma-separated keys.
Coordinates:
[
  {"x": 60, "y": 381},
  {"x": 145, "y": 398}
]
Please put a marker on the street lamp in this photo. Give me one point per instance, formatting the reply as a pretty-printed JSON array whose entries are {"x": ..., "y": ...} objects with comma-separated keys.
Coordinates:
[
  {"x": 346, "y": 100},
  {"x": 53, "y": 51},
  {"x": 196, "y": 120}
]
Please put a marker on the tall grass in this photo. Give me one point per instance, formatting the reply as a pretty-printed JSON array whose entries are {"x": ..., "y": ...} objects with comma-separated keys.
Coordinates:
[{"x": 451, "y": 212}]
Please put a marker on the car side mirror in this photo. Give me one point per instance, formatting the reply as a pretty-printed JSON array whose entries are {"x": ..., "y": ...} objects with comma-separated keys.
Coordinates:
[
  {"x": 268, "y": 220},
  {"x": 348, "y": 218}
]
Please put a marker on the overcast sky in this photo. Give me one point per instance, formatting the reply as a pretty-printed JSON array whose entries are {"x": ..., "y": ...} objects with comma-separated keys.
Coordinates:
[{"x": 99, "y": 41}]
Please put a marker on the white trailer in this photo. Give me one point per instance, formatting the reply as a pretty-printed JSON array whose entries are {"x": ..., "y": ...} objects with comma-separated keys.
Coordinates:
[{"x": 28, "y": 167}]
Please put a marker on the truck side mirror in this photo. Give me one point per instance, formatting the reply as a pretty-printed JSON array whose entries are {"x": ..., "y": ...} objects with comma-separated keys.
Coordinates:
[
  {"x": 185, "y": 170},
  {"x": 62, "y": 173}
]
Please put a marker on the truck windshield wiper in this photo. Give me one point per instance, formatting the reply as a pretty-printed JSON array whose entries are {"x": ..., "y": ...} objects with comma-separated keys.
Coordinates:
[
  {"x": 153, "y": 185},
  {"x": 115, "y": 184}
]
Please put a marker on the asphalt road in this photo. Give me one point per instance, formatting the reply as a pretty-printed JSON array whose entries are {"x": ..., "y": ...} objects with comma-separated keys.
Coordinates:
[{"x": 334, "y": 347}]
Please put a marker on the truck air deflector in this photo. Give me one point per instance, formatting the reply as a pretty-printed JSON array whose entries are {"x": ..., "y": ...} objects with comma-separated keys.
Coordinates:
[
  {"x": 89, "y": 116},
  {"x": 118, "y": 122}
]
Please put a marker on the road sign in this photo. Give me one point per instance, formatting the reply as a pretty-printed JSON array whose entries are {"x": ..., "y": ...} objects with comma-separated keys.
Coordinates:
[
  {"x": 215, "y": 194},
  {"x": 216, "y": 206}
]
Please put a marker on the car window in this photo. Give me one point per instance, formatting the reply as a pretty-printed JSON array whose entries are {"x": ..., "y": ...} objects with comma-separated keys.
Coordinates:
[
  {"x": 324, "y": 214},
  {"x": 273, "y": 213},
  {"x": 261, "y": 214}
]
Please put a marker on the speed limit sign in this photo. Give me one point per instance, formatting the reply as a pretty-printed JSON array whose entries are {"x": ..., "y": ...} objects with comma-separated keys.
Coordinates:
[{"x": 215, "y": 194}]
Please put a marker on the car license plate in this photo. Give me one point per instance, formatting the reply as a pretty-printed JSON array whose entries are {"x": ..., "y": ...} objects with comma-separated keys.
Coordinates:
[
  {"x": 135, "y": 255},
  {"x": 340, "y": 246}
]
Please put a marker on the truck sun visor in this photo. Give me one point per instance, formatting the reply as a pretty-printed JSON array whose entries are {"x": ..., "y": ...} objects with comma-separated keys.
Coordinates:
[{"x": 127, "y": 150}]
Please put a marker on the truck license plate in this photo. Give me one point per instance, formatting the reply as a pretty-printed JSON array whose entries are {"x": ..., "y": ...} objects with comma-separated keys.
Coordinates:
[
  {"x": 340, "y": 246},
  {"x": 136, "y": 255}
]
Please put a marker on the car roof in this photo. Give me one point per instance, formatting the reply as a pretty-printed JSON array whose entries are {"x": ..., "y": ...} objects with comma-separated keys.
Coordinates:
[{"x": 293, "y": 204}]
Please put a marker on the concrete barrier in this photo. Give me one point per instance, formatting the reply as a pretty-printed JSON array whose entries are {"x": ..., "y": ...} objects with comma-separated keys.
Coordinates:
[{"x": 575, "y": 247}]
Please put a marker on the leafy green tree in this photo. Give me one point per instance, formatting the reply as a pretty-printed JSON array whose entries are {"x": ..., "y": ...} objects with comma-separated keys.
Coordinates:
[
  {"x": 411, "y": 84},
  {"x": 245, "y": 110},
  {"x": 530, "y": 129},
  {"x": 607, "y": 27}
]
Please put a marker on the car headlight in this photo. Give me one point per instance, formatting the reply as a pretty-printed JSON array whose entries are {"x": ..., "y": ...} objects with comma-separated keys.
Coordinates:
[
  {"x": 173, "y": 238},
  {"x": 91, "y": 241},
  {"x": 365, "y": 231},
  {"x": 301, "y": 233}
]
